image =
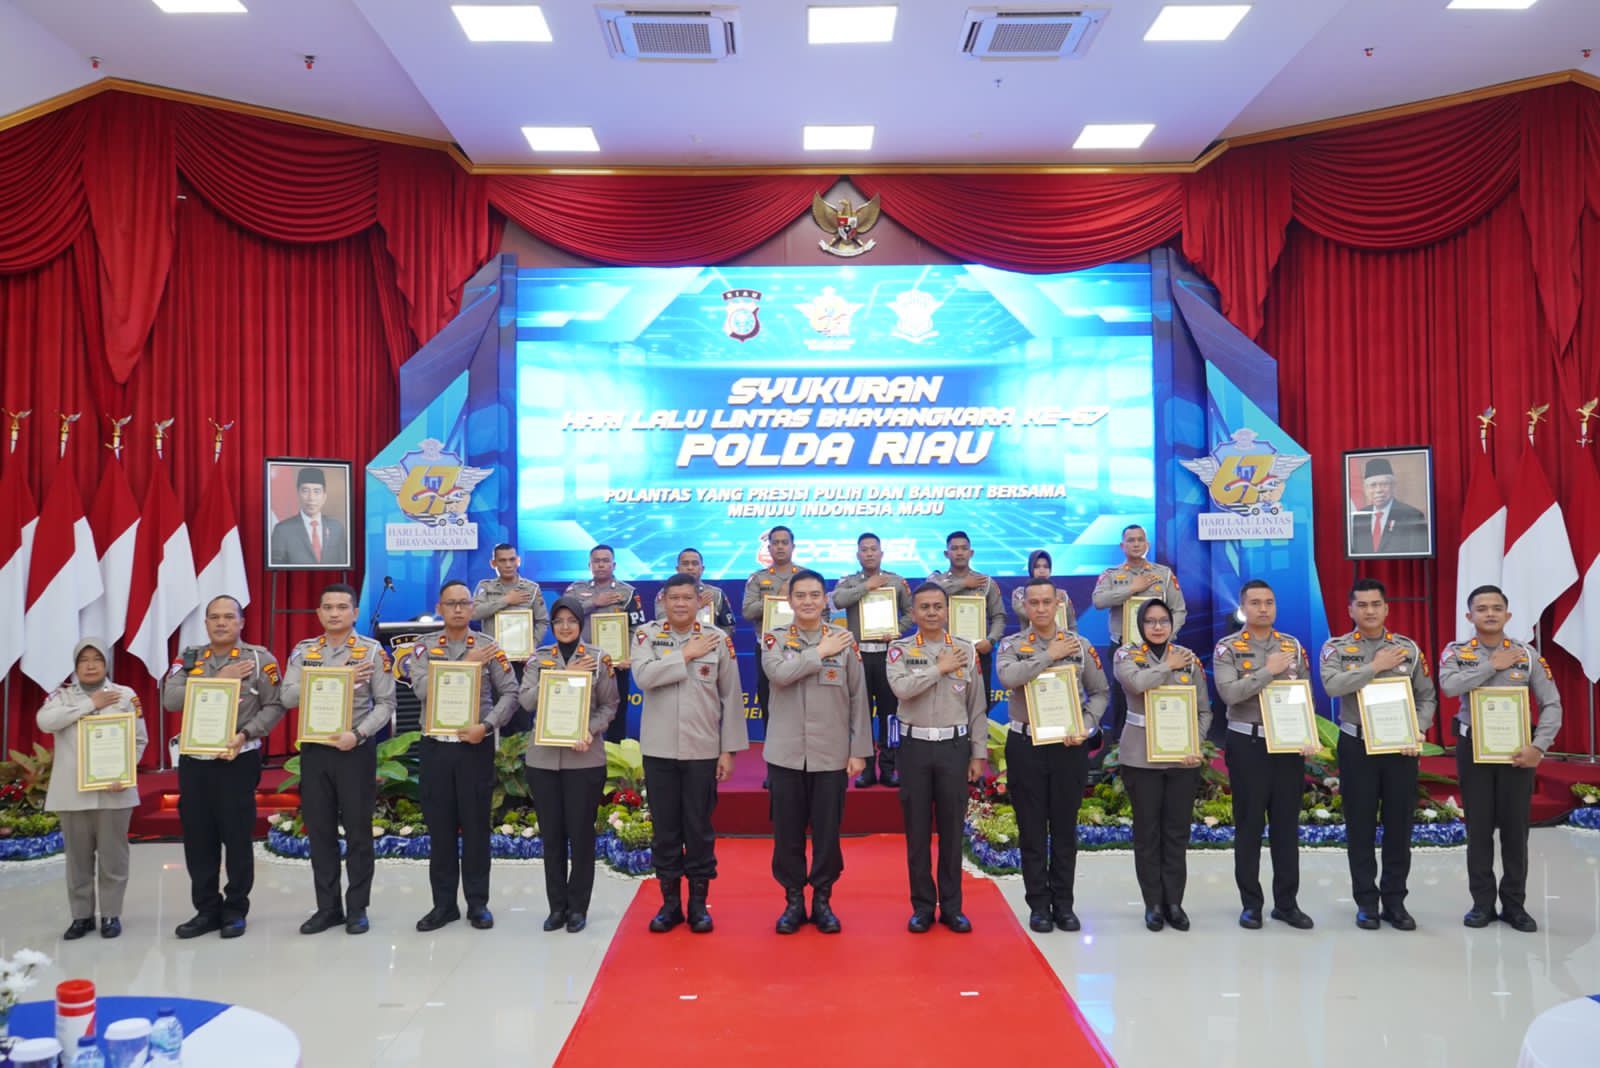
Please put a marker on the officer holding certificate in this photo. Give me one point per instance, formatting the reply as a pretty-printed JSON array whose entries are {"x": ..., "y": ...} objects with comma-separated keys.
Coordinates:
[
  {"x": 713, "y": 608},
  {"x": 1162, "y": 792},
  {"x": 1136, "y": 576},
  {"x": 768, "y": 582},
  {"x": 1351, "y": 664},
  {"x": 338, "y": 778},
  {"x": 1039, "y": 566},
  {"x": 603, "y": 593},
  {"x": 217, "y": 793},
  {"x": 961, "y": 581},
  {"x": 1266, "y": 786},
  {"x": 875, "y": 602},
  {"x": 457, "y": 772},
  {"x": 1496, "y": 768},
  {"x": 818, "y": 734},
  {"x": 567, "y": 774},
  {"x": 944, "y": 745},
  {"x": 508, "y": 590},
  {"x": 1047, "y": 761}
]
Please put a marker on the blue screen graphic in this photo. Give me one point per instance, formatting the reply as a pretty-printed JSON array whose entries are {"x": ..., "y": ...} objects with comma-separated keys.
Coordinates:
[{"x": 667, "y": 407}]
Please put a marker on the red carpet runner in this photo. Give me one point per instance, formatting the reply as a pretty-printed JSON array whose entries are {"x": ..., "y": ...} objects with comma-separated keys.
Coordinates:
[{"x": 874, "y": 994}]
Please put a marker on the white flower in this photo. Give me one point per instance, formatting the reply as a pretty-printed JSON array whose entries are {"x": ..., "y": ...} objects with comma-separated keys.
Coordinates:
[
  {"x": 1331, "y": 782},
  {"x": 615, "y": 819},
  {"x": 29, "y": 958},
  {"x": 341, "y": 830},
  {"x": 1590, "y": 799},
  {"x": 1430, "y": 813},
  {"x": 1321, "y": 813},
  {"x": 377, "y": 831},
  {"x": 528, "y": 832},
  {"x": 406, "y": 831},
  {"x": 1210, "y": 821},
  {"x": 506, "y": 828},
  {"x": 12, "y": 988},
  {"x": 275, "y": 819},
  {"x": 1001, "y": 839}
]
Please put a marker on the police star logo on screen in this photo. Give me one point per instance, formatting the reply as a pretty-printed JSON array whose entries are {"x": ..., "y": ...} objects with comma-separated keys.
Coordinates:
[
  {"x": 743, "y": 320},
  {"x": 1246, "y": 476}
]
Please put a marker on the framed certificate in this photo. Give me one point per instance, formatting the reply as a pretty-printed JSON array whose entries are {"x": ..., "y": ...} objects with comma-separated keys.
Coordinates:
[
  {"x": 513, "y": 632},
  {"x": 106, "y": 752},
  {"x": 210, "y": 716},
  {"x": 1288, "y": 716},
  {"x": 775, "y": 613},
  {"x": 1388, "y": 715},
  {"x": 562, "y": 717},
  {"x": 969, "y": 617},
  {"x": 1171, "y": 724},
  {"x": 1061, "y": 616},
  {"x": 1130, "y": 618},
  {"x": 609, "y": 631},
  {"x": 1500, "y": 723},
  {"x": 327, "y": 697},
  {"x": 453, "y": 690},
  {"x": 880, "y": 615},
  {"x": 1055, "y": 706}
]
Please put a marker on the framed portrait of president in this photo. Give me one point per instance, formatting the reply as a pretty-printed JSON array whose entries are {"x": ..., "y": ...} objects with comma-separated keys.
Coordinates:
[
  {"x": 307, "y": 514},
  {"x": 1388, "y": 504}
]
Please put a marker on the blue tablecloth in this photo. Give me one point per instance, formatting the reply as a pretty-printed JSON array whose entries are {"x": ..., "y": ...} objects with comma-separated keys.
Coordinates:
[{"x": 37, "y": 1019}]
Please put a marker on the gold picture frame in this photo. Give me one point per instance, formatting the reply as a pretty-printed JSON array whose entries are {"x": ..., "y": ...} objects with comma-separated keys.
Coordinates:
[
  {"x": 99, "y": 736},
  {"x": 324, "y": 690},
  {"x": 1370, "y": 699},
  {"x": 1284, "y": 701},
  {"x": 1171, "y": 702},
  {"x": 610, "y": 634},
  {"x": 776, "y": 613},
  {"x": 969, "y": 616},
  {"x": 457, "y": 686},
  {"x": 878, "y": 597},
  {"x": 1491, "y": 734},
  {"x": 560, "y": 695},
  {"x": 210, "y": 716},
  {"x": 513, "y": 632},
  {"x": 1044, "y": 696}
]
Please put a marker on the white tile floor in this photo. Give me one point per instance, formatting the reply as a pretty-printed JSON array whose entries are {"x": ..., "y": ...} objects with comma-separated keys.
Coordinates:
[{"x": 1441, "y": 996}]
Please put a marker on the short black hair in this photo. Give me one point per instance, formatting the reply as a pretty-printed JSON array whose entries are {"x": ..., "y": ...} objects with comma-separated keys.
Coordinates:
[
  {"x": 931, "y": 587},
  {"x": 1135, "y": 526},
  {"x": 502, "y": 547},
  {"x": 1496, "y": 590},
  {"x": 864, "y": 535},
  {"x": 680, "y": 579},
  {"x": 237, "y": 607},
  {"x": 603, "y": 547},
  {"x": 690, "y": 549},
  {"x": 953, "y": 535},
  {"x": 340, "y": 587},
  {"x": 805, "y": 573},
  {"x": 784, "y": 529},
  {"x": 1367, "y": 585},
  {"x": 1254, "y": 584},
  {"x": 1038, "y": 581},
  {"x": 449, "y": 583}
]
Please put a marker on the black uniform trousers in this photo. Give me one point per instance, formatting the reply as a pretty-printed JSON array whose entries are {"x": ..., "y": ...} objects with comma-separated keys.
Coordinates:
[
  {"x": 617, "y": 729},
  {"x": 683, "y": 794},
  {"x": 933, "y": 798},
  {"x": 217, "y": 809},
  {"x": 800, "y": 799},
  {"x": 1267, "y": 789},
  {"x": 986, "y": 669},
  {"x": 1367, "y": 782},
  {"x": 339, "y": 788},
  {"x": 1046, "y": 785},
  {"x": 457, "y": 788},
  {"x": 1163, "y": 809},
  {"x": 875, "y": 670},
  {"x": 1496, "y": 798},
  {"x": 1116, "y": 712},
  {"x": 566, "y": 802},
  {"x": 521, "y": 721},
  {"x": 763, "y": 687}
]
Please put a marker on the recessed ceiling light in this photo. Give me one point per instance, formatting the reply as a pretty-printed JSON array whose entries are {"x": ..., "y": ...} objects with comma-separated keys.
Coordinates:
[
  {"x": 561, "y": 138},
  {"x": 838, "y": 138},
  {"x": 502, "y": 22},
  {"x": 1114, "y": 135},
  {"x": 1196, "y": 22},
  {"x": 1490, "y": 5},
  {"x": 201, "y": 7},
  {"x": 850, "y": 25}
]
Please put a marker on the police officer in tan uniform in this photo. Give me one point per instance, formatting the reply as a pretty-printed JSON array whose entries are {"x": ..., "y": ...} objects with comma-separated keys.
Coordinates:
[
  {"x": 1496, "y": 796},
  {"x": 338, "y": 782},
  {"x": 961, "y": 580},
  {"x": 1046, "y": 780},
  {"x": 1039, "y": 566},
  {"x": 944, "y": 746},
  {"x": 714, "y": 609},
  {"x": 1267, "y": 787},
  {"x": 818, "y": 735},
  {"x": 768, "y": 582},
  {"x": 691, "y": 725},
  {"x": 847, "y": 594},
  {"x": 603, "y": 592},
  {"x": 1350, "y": 662},
  {"x": 1134, "y": 577},
  {"x": 217, "y": 795}
]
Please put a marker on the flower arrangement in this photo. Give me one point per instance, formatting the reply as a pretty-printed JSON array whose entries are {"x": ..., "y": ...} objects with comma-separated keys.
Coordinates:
[
  {"x": 1587, "y": 793},
  {"x": 1587, "y": 814},
  {"x": 16, "y": 978}
]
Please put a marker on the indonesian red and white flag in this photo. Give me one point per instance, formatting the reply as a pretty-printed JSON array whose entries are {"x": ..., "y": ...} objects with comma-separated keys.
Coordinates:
[
  {"x": 1577, "y": 617},
  {"x": 19, "y": 518},
  {"x": 218, "y": 558},
  {"x": 114, "y": 518},
  {"x": 63, "y": 580},
  {"x": 1483, "y": 542},
  {"x": 1538, "y": 564},
  {"x": 164, "y": 588}
]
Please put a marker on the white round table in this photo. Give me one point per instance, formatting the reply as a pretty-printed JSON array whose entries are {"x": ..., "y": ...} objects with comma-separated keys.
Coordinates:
[{"x": 1567, "y": 1036}]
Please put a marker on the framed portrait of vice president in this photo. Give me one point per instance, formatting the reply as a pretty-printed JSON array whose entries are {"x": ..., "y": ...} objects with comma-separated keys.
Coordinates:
[{"x": 1388, "y": 504}]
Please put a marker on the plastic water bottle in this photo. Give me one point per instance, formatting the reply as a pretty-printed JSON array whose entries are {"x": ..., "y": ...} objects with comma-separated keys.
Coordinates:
[
  {"x": 88, "y": 1054},
  {"x": 166, "y": 1039}
]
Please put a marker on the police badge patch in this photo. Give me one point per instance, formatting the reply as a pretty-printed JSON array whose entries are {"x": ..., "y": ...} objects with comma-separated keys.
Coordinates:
[{"x": 743, "y": 320}]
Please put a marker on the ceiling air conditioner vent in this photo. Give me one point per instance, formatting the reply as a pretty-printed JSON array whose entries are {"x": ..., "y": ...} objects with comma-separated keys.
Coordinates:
[
  {"x": 1005, "y": 33},
  {"x": 703, "y": 34}
]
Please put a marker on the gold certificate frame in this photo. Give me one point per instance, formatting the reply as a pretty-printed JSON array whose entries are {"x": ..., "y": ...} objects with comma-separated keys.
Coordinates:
[
  {"x": 454, "y": 690},
  {"x": 1061, "y": 617},
  {"x": 609, "y": 630},
  {"x": 776, "y": 613},
  {"x": 106, "y": 758},
  {"x": 1388, "y": 716},
  {"x": 1055, "y": 706},
  {"x": 1289, "y": 716},
  {"x": 565, "y": 698},
  {"x": 1500, "y": 723},
  {"x": 1171, "y": 724},
  {"x": 969, "y": 616},
  {"x": 327, "y": 704},
  {"x": 880, "y": 615},
  {"x": 1130, "y": 618},
  {"x": 513, "y": 632},
  {"x": 210, "y": 716}
]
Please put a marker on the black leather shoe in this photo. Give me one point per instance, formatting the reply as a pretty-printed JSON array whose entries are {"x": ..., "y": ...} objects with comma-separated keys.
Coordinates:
[
  {"x": 666, "y": 918},
  {"x": 1519, "y": 919},
  {"x": 110, "y": 927},
  {"x": 1398, "y": 918},
  {"x": 1477, "y": 917},
  {"x": 320, "y": 921},
  {"x": 197, "y": 925},
  {"x": 1066, "y": 920},
  {"x": 481, "y": 919},
  {"x": 1250, "y": 919},
  {"x": 867, "y": 778},
  {"x": 77, "y": 929},
  {"x": 233, "y": 927},
  {"x": 576, "y": 921},
  {"x": 1153, "y": 920},
  {"x": 437, "y": 917},
  {"x": 1038, "y": 921},
  {"x": 822, "y": 914},
  {"x": 957, "y": 923},
  {"x": 556, "y": 920},
  {"x": 920, "y": 922},
  {"x": 356, "y": 922},
  {"x": 1365, "y": 920},
  {"x": 1177, "y": 919},
  {"x": 889, "y": 777},
  {"x": 794, "y": 913},
  {"x": 1294, "y": 918}
]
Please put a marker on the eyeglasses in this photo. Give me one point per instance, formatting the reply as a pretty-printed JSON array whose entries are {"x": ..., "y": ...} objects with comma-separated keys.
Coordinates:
[
  {"x": 1158, "y": 622},
  {"x": 455, "y": 604}
]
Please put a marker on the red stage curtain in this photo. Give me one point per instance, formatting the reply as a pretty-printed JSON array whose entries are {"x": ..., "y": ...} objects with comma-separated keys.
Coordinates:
[
  {"x": 1235, "y": 213},
  {"x": 42, "y": 206}
]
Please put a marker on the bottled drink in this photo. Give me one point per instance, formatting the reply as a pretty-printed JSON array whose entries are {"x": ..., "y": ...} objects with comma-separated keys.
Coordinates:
[
  {"x": 166, "y": 1039},
  {"x": 88, "y": 1054}
]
